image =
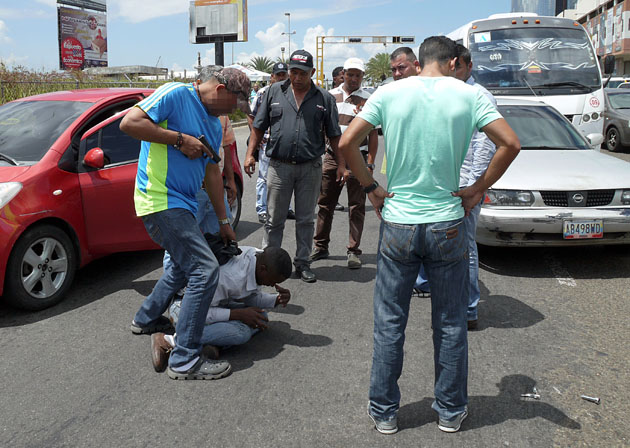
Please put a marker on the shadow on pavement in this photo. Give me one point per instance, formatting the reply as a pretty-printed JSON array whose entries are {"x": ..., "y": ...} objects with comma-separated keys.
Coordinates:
[
  {"x": 270, "y": 343},
  {"x": 96, "y": 280},
  {"x": 491, "y": 410},
  {"x": 504, "y": 312},
  {"x": 246, "y": 228}
]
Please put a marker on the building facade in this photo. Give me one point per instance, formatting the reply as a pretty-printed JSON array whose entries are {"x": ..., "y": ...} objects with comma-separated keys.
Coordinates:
[{"x": 607, "y": 22}]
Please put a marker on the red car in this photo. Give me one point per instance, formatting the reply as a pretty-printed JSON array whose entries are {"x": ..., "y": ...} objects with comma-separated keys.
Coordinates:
[{"x": 67, "y": 177}]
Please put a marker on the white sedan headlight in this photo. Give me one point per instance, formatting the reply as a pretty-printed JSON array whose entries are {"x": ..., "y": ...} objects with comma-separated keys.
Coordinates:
[
  {"x": 8, "y": 190},
  {"x": 509, "y": 198}
]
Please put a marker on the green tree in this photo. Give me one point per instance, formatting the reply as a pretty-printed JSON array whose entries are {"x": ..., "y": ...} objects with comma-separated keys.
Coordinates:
[
  {"x": 261, "y": 63},
  {"x": 377, "y": 67}
]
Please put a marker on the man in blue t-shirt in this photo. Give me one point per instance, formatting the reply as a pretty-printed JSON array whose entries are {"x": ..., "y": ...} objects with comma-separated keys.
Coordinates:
[
  {"x": 171, "y": 167},
  {"x": 427, "y": 123}
]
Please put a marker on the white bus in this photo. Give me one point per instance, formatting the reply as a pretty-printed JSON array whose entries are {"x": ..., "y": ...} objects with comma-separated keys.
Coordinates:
[{"x": 552, "y": 59}]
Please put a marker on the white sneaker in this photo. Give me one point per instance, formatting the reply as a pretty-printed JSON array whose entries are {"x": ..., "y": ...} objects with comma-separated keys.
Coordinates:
[{"x": 354, "y": 262}]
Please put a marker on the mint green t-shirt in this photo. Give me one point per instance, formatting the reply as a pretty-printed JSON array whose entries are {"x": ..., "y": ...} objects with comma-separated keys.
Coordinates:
[{"x": 427, "y": 126}]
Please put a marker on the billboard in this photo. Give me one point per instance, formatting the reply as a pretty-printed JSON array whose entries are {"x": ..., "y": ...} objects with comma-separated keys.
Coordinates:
[
  {"x": 96, "y": 5},
  {"x": 218, "y": 21},
  {"x": 82, "y": 39}
]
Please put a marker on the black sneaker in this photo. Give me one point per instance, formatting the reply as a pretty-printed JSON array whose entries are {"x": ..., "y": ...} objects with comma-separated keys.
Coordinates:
[
  {"x": 262, "y": 218},
  {"x": 290, "y": 214},
  {"x": 160, "y": 324},
  {"x": 204, "y": 369},
  {"x": 339, "y": 207},
  {"x": 319, "y": 254}
]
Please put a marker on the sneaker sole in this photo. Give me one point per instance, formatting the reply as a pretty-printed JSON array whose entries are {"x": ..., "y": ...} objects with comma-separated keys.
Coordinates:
[
  {"x": 451, "y": 429},
  {"x": 354, "y": 265},
  {"x": 197, "y": 376}
]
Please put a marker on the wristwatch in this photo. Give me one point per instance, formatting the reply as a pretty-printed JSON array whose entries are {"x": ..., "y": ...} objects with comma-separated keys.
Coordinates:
[
  {"x": 224, "y": 221},
  {"x": 370, "y": 166},
  {"x": 370, "y": 188}
]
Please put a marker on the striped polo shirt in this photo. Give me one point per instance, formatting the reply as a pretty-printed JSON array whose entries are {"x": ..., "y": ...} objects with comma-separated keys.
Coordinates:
[
  {"x": 166, "y": 178},
  {"x": 348, "y": 106}
]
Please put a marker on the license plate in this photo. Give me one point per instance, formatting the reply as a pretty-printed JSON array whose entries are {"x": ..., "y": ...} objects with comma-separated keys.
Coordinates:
[{"x": 575, "y": 230}]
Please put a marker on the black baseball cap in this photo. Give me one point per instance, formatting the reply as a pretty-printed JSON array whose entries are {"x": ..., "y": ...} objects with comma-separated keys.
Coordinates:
[
  {"x": 301, "y": 59},
  {"x": 279, "y": 67}
]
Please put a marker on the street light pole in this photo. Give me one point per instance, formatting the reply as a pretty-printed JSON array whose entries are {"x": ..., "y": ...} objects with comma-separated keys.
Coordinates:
[{"x": 288, "y": 14}]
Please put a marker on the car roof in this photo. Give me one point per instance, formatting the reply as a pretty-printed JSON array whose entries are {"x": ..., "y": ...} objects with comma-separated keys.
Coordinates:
[
  {"x": 616, "y": 91},
  {"x": 86, "y": 95},
  {"x": 508, "y": 101}
]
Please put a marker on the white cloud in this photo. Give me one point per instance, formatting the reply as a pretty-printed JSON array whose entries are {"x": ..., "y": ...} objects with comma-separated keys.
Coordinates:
[
  {"x": 13, "y": 60},
  {"x": 10, "y": 13},
  {"x": 4, "y": 38},
  {"x": 51, "y": 3},
  {"x": 140, "y": 10},
  {"x": 335, "y": 7}
]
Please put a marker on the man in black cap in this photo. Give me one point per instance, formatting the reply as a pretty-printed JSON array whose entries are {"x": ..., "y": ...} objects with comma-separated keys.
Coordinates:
[
  {"x": 279, "y": 73},
  {"x": 300, "y": 115}
]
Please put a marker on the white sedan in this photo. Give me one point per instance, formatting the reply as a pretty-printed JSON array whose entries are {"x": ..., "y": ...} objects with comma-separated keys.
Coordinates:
[{"x": 559, "y": 191}]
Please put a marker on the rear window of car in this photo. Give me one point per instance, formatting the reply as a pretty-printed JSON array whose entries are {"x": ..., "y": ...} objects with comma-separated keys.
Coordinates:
[
  {"x": 541, "y": 127},
  {"x": 620, "y": 100},
  {"x": 29, "y": 128}
]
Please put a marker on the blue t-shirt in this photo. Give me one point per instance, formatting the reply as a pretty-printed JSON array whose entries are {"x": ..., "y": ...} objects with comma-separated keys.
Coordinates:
[
  {"x": 427, "y": 125},
  {"x": 166, "y": 177}
]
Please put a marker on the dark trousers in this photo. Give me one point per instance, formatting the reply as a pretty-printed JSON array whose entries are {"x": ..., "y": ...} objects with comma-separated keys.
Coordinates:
[{"x": 328, "y": 198}]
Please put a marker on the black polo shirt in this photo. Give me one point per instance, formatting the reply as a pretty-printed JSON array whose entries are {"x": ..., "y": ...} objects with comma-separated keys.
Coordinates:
[{"x": 297, "y": 135}]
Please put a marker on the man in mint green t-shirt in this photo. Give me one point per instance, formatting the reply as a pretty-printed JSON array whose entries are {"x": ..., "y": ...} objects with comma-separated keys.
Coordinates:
[{"x": 427, "y": 122}]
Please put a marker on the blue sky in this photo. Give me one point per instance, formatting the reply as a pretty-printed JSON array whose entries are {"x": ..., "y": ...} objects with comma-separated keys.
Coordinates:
[{"x": 155, "y": 32}]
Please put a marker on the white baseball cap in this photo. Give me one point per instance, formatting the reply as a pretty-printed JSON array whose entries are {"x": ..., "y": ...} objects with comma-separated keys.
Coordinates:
[{"x": 354, "y": 63}]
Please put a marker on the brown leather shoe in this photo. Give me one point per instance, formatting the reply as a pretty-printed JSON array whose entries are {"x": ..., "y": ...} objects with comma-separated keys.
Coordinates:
[
  {"x": 210, "y": 352},
  {"x": 160, "y": 350},
  {"x": 472, "y": 325}
]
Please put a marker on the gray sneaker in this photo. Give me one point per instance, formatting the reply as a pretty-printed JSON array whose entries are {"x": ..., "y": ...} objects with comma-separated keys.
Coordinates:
[
  {"x": 384, "y": 426},
  {"x": 354, "y": 262},
  {"x": 453, "y": 425},
  {"x": 204, "y": 369}
]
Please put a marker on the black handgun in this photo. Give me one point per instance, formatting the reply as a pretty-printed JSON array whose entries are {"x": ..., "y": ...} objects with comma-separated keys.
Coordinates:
[{"x": 205, "y": 142}]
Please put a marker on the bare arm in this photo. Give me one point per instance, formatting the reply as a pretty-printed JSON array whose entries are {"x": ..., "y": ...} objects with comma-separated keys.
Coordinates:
[
  {"x": 137, "y": 124},
  {"x": 372, "y": 147},
  {"x": 228, "y": 172},
  {"x": 358, "y": 130},
  {"x": 508, "y": 147},
  {"x": 255, "y": 137}
]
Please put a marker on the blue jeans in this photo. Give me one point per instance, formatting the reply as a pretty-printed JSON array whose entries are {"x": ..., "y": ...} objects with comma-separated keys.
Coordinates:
[
  {"x": 222, "y": 334},
  {"x": 402, "y": 248},
  {"x": 193, "y": 264},
  {"x": 261, "y": 182},
  {"x": 421, "y": 281},
  {"x": 470, "y": 223}
]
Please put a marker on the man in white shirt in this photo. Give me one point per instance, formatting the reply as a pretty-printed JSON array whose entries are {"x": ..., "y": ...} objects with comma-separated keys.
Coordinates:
[{"x": 237, "y": 309}]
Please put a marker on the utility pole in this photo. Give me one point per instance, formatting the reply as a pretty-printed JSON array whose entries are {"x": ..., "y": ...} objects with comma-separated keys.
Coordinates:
[{"x": 288, "y": 14}]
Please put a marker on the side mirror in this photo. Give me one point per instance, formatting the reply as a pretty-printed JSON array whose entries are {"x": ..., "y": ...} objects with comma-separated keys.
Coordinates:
[
  {"x": 595, "y": 139},
  {"x": 94, "y": 158},
  {"x": 609, "y": 64}
]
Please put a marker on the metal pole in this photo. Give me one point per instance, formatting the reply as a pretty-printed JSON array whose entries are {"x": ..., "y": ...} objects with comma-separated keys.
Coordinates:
[
  {"x": 289, "y": 15},
  {"x": 218, "y": 53}
]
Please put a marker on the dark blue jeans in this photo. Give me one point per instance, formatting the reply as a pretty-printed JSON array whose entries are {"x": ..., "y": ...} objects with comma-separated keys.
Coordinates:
[
  {"x": 442, "y": 248},
  {"x": 193, "y": 265}
]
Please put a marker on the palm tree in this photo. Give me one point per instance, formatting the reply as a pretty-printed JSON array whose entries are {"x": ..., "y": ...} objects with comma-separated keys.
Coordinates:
[
  {"x": 261, "y": 63},
  {"x": 378, "y": 68}
]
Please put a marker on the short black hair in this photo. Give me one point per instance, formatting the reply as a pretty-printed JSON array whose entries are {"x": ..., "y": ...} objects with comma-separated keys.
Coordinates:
[
  {"x": 463, "y": 55},
  {"x": 277, "y": 261},
  {"x": 337, "y": 71},
  {"x": 438, "y": 49},
  {"x": 408, "y": 52}
]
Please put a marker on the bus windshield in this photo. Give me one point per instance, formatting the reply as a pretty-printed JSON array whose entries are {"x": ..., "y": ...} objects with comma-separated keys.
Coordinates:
[{"x": 535, "y": 58}]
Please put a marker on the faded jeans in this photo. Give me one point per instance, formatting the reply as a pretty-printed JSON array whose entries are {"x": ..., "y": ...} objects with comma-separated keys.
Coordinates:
[
  {"x": 221, "y": 334},
  {"x": 470, "y": 222},
  {"x": 261, "y": 182},
  {"x": 402, "y": 248},
  {"x": 283, "y": 181},
  {"x": 193, "y": 264}
]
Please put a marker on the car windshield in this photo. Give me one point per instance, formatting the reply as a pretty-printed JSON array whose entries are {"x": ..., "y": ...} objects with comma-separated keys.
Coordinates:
[
  {"x": 29, "y": 128},
  {"x": 544, "y": 58},
  {"x": 620, "y": 100},
  {"x": 541, "y": 127}
]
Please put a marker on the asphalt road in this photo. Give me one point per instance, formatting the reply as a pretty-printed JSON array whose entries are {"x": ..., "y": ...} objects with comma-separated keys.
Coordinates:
[{"x": 556, "y": 319}]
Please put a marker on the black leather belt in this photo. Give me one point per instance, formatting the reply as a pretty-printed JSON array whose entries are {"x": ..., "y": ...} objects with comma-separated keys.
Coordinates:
[{"x": 292, "y": 162}]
